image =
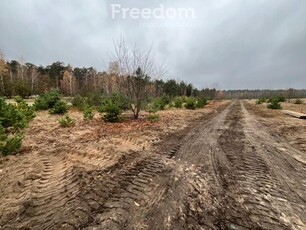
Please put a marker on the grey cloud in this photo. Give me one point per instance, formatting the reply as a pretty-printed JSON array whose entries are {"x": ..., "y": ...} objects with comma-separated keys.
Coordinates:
[{"x": 230, "y": 44}]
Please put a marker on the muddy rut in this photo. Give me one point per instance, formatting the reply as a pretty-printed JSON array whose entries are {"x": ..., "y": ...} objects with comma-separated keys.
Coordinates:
[{"x": 228, "y": 172}]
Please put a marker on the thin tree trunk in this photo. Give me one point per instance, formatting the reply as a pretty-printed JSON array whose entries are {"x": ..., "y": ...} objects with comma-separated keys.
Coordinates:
[
  {"x": 70, "y": 85},
  {"x": 11, "y": 76},
  {"x": 32, "y": 82},
  {"x": 2, "y": 85},
  {"x": 56, "y": 82}
]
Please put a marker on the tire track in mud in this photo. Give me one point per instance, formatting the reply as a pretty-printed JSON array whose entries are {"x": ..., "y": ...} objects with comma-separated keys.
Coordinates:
[
  {"x": 55, "y": 198},
  {"x": 67, "y": 196},
  {"x": 53, "y": 203},
  {"x": 253, "y": 179},
  {"x": 145, "y": 190},
  {"x": 248, "y": 180},
  {"x": 116, "y": 196},
  {"x": 202, "y": 149},
  {"x": 247, "y": 190},
  {"x": 186, "y": 202},
  {"x": 221, "y": 174},
  {"x": 286, "y": 167},
  {"x": 19, "y": 178}
]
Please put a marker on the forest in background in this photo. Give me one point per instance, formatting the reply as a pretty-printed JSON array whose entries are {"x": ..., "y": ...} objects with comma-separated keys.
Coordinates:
[{"x": 26, "y": 79}]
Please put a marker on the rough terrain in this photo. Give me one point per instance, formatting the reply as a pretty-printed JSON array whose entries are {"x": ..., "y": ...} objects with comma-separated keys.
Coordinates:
[{"x": 229, "y": 166}]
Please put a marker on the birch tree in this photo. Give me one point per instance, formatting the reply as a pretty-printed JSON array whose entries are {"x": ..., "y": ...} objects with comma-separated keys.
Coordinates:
[
  {"x": 3, "y": 74},
  {"x": 135, "y": 69}
]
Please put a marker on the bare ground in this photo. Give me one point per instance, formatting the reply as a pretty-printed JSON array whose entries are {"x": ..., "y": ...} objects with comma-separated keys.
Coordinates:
[{"x": 227, "y": 166}]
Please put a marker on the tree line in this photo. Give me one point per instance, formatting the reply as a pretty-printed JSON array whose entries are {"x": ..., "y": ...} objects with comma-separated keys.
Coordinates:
[
  {"x": 26, "y": 79},
  {"x": 262, "y": 93}
]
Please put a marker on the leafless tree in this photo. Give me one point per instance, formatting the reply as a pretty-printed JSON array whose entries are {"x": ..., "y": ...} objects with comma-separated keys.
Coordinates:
[
  {"x": 3, "y": 72},
  {"x": 135, "y": 69},
  {"x": 290, "y": 93},
  {"x": 21, "y": 68},
  {"x": 34, "y": 77},
  {"x": 68, "y": 83}
]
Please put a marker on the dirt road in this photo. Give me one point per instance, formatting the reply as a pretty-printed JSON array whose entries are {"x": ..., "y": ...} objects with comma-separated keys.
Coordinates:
[{"x": 228, "y": 172}]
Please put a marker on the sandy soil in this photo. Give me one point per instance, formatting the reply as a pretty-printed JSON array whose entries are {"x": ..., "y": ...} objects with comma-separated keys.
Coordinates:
[
  {"x": 285, "y": 105},
  {"x": 232, "y": 165},
  {"x": 291, "y": 129},
  {"x": 298, "y": 108},
  {"x": 42, "y": 180}
]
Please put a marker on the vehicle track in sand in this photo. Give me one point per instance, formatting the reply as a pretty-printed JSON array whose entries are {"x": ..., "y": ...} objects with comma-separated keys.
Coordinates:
[
  {"x": 228, "y": 172},
  {"x": 222, "y": 175}
]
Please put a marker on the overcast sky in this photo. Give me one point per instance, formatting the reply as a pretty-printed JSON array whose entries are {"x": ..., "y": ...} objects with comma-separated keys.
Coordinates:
[{"x": 228, "y": 44}]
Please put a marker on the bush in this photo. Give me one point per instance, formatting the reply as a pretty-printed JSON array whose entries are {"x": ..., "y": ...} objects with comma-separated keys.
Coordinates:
[
  {"x": 274, "y": 105},
  {"x": 190, "y": 104},
  {"x": 47, "y": 100},
  {"x": 260, "y": 101},
  {"x": 112, "y": 113},
  {"x": 94, "y": 99},
  {"x": 178, "y": 102},
  {"x": 9, "y": 144},
  {"x": 150, "y": 108},
  {"x": 201, "y": 102},
  {"x": 104, "y": 105},
  {"x": 66, "y": 121},
  {"x": 298, "y": 102},
  {"x": 115, "y": 98},
  {"x": 79, "y": 102},
  {"x": 280, "y": 98},
  {"x": 184, "y": 99},
  {"x": 111, "y": 110},
  {"x": 27, "y": 110},
  {"x": 88, "y": 113},
  {"x": 10, "y": 117},
  {"x": 120, "y": 100},
  {"x": 153, "y": 117},
  {"x": 13, "y": 119},
  {"x": 161, "y": 102},
  {"x": 274, "y": 102},
  {"x": 60, "y": 107},
  {"x": 277, "y": 99}
]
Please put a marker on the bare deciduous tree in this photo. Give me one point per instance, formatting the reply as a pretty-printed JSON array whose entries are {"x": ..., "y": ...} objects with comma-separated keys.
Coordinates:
[
  {"x": 33, "y": 79},
  {"x": 135, "y": 68},
  {"x": 68, "y": 83},
  {"x": 3, "y": 73},
  {"x": 290, "y": 93}
]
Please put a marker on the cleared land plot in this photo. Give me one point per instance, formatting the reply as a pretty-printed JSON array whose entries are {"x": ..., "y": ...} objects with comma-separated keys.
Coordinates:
[{"x": 232, "y": 165}]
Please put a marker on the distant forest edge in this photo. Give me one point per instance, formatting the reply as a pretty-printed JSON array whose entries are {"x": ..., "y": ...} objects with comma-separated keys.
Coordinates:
[{"x": 26, "y": 79}]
